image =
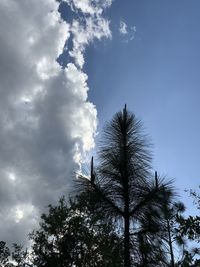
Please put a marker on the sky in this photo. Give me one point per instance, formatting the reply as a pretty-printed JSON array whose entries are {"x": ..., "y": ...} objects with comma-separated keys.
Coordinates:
[{"x": 66, "y": 68}]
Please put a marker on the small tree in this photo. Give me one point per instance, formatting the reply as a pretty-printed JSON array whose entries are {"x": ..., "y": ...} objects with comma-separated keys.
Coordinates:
[
  {"x": 169, "y": 233},
  {"x": 189, "y": 228}
]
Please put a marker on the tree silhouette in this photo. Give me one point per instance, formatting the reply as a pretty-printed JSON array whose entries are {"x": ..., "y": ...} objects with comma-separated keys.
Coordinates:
[
  {"x": 14, "y": 257},
  {"x": 190, "y": 226},
  {"x": 151, "y": 250},
  {"x": 4, "y": 254},
  {"x": 169, "y": 233},
  {"x": 70, "y": 235},
  {"x": 189, "y": 229},
  {"x": 123, "y": 179}
]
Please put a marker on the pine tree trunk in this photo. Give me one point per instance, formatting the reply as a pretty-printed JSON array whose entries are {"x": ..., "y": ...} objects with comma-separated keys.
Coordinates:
[
  {"x": 170, "y": 245},
  {"x": 127, "y": 262}
]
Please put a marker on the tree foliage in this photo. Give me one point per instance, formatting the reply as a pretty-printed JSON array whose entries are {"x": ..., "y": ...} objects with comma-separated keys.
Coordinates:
[
  {"x": 15, "y": 257},
  {"x": 190, "y": 226},
  {"x": 72, "y": 235}
]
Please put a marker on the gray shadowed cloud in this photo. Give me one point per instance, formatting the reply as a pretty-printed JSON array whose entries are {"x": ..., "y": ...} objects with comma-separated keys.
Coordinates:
[{"x": 47, "y": 124}]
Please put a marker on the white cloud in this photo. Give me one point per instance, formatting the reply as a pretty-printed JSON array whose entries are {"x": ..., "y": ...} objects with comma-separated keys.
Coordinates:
[
  {"x": 47, "y": 123},
  {"x": 83, "y": 34},
  {"x": 92, "y": 7},
  {"x": 123, "y": 28},
  {"x": 127, "y": 32},
  {"x": 133, "y": 30},
  {"x": 89, "y": 28}
]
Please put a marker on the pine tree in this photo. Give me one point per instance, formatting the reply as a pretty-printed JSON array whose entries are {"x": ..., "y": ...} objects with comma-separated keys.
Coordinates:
[{"x": 123, "y": 180}]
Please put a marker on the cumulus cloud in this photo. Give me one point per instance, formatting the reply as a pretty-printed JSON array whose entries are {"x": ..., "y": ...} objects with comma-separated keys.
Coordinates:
[
  {"x": 92, "y": 7},
  {"x": 84, "y": 33},
  {"x": 47, "y": 123},
  {"x": 89, "y": 28}
]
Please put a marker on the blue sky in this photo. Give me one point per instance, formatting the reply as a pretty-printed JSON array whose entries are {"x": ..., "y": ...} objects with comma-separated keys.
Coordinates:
[
  {"x": 65, "y": 70},
  {"x": 157, "y": 75}
]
